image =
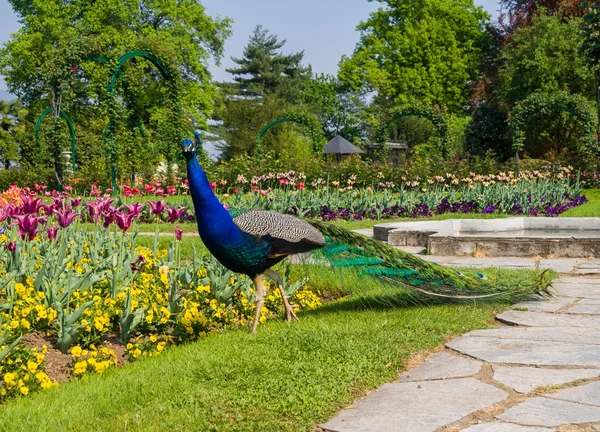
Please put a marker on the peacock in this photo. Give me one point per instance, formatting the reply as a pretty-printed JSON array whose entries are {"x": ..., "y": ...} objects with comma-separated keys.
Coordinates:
[{"x": 251, "y": 242}]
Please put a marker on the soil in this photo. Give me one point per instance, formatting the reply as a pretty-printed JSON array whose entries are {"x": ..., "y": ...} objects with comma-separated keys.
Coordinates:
[{"x": 56, "y": 364}]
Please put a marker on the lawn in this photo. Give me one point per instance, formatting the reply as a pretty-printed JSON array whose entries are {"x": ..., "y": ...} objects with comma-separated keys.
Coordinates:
[
  {"x": 283, "y": 378},
  {"x": 589, "y": 209}
]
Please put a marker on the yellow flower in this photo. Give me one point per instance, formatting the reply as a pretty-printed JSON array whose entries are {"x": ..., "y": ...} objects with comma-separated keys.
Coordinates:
[
  {"x": 161, "y": 346},
  {"x": 32, "y": 366},
  {"x": 76, "y": 351},
  {"x": 80, "y": 367},
  {"x": 24, "y": 390},
  {"x": 153, "y": 338},
  {"x": 9, "y": 378}
]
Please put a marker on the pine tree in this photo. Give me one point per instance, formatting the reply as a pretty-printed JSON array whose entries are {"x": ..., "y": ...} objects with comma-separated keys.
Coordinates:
[{"x": 264, "y": 70}]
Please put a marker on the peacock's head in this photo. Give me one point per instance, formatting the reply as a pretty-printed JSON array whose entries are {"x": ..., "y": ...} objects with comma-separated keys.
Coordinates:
[{"x": 189, "y": 149}]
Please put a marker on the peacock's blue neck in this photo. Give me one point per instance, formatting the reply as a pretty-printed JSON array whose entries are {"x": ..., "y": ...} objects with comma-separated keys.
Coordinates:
[{"x": 215, "y": 224}]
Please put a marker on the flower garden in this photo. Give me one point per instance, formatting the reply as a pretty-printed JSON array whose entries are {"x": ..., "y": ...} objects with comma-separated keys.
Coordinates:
[{"x": 76, "y": 300}]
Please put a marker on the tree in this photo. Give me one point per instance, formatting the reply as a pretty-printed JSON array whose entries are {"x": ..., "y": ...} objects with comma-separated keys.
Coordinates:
[
  {"x": 340, "y": 109},
  {"x": 12, "y": 129},
  {"x": 426, "y": 51},
  {"x": 488, "y": 131},
  {"x": 545, "y": 57},
  {"x": 53, "y": 61},
  {"x": 521, "y": 12},
  {"x": 264, "y": 70}
]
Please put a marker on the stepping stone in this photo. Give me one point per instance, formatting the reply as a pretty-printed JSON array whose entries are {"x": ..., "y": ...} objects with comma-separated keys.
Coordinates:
[
  {"x": 578, "y": 280},
  {"x": 583, "y": 290},
  {"x": 528, "y": 352},
  {"x": 542, "y": 319},
  {"x": 417, "y": 407},
  {"x": 441, "y": 366},
  {"x": 527, "y": 379},
  {"x": 500, "y": 262},
  {"x": 545, "y": 305},
  {"x": 560, "y": 265},
  {"x": 588, "y": 394},
  {"x": 505, "y": 427},
  {"x": 549, "y": 412},
  {"x": 585, "y": 306},
  {"x": 572, "y": 335}
]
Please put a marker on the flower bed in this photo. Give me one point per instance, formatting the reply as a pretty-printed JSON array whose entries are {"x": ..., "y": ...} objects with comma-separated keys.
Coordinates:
[{"x": 95, "y": 300}]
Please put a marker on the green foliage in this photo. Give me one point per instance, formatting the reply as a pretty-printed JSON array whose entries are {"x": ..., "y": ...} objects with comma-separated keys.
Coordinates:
[
  {"x": 12, "y": 131},
  {"x": 591, "y": 31},
  {"x": 419, "y": 51},
  {"x": 543, "y": 104},
  {"x": 488, "y": 132},
  {"x": 545, "y": 56},
  {"x": 53, "y": 61}
]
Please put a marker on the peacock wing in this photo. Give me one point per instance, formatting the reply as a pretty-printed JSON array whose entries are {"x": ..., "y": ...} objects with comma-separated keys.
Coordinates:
[{"x": 286, "y": 234}]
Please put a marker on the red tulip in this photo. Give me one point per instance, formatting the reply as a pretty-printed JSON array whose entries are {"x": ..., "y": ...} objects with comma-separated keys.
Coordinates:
[
  {"x": 300, "y": 186},
  {"x": 213, "y": 185}
]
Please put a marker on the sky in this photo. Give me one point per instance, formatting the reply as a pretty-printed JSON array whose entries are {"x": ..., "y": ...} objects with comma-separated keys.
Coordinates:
[{"x": 324, "y": 29}]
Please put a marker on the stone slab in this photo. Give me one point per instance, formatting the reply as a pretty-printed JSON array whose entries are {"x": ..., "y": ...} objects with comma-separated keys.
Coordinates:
[
  {"x": 527, "y": 379},
  {"x": 367, "y": 232},
  {"x": 545, "y": 305},
  {"x": 543, "y": 319},
  {"x": 528, "y": 352},
  {"x": 560, "y": 265},
  {"x": 552, "y": 334},
  {"x": 442, "y": 365},
  {"x": 588, "y": 394},
  {"x": 585, "y": 306},
  {"x": 505, "y": 427},
  {"x": 597, "y": 427},
  {"x": 417, "y": 407},
  {"x": 550, "y": 412},
  {"x": 579, "y": 280},
  {"x": 590, "y": 264},
  {"x": 581, "y": 290},
  {"x": 501, "y": 262}
]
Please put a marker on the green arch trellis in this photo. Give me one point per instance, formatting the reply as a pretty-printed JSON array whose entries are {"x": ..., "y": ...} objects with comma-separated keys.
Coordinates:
[
  {"x": 562, "y": 101},
  {"x": 38, "y": 125},
  {"x": 436, "y": 116},
  {"x": 310, "y": 124},
  {"x": 109, "y": 132}
]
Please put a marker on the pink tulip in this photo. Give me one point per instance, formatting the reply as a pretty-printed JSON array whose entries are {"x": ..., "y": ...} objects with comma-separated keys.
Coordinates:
[
  {"x": 157, "y": 207},
  {"x": 52, "y": 232},
  {"x": 174, "y": 214},
  {"x": 65, "y": 217},
  {"x": 27, "y": 225},
  {"x": 171, "y": 190},
  {"x": 123, "y": 221},
  {"x": 178, "y": 232},
  {"x": 30, "y": 205},
  {"x": 75, "y": 202}
]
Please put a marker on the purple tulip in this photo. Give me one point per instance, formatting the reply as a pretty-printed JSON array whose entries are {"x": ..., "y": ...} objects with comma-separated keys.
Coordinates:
[
  {"x": 30, "y": 205},
  {"x": 65, "y": 217},
  {"x": 134, "y": 209},
  {"x": 123, "y": 221},
  {"x": 174, "y": 214},
  {"x": 11, "y": 247},
  {"x": 14, "y": 211},
  {"x": 4, "y": 213},
  {"x": 157, "y": 207},
  {"x": 178, "y": 232},
  {"x": 27, "y": 225},
  {"x": 75, "y": 202},
  {"x": 137, "y": 265},
  {"x": 94, "y": 211},
  {"x": 48, "y": 209},
  {"x": 52, "y": 232},
  {"x": 109, "y": 215}
]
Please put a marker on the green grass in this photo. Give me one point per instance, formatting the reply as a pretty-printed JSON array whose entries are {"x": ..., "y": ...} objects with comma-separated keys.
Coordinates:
[
  {"x": 283, "y": 378},
  {"x": 589, "y": 209}
]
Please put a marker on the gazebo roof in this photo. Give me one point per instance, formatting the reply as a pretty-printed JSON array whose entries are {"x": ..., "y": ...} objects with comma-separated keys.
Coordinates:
[{"x": 340, "y": 145}]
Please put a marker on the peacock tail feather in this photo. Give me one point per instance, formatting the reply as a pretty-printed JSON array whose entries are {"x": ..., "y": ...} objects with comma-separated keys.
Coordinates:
[{"x": 391, "y": 266}]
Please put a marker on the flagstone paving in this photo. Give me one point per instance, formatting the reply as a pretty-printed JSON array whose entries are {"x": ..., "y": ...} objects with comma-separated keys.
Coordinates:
[{"x": 538, "y": 371}]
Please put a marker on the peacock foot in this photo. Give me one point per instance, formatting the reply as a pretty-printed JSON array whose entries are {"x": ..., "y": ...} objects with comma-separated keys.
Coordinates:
[{"x": 289, "y": 310}]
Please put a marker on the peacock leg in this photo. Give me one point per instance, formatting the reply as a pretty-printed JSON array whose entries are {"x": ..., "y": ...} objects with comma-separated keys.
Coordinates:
[
  {"x": 261, "y": 292},
  {"x": 289, "y": 310}
]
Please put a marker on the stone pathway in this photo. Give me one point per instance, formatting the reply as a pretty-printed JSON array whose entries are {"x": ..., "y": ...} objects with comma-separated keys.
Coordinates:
[{"x": 538, "y": 371}]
